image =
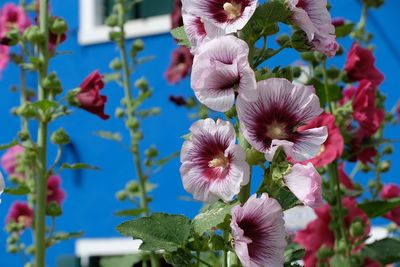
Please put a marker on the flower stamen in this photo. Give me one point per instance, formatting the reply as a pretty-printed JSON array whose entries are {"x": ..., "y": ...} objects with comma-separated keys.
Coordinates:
[
  {"x": 232, "y": 10},
  {"x": 218, "y": 161},
  {"x": 277, "y": 131}
]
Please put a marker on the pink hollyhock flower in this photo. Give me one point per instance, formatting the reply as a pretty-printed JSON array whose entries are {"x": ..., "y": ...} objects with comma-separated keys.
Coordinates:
[
  {"x": 360, "y": 65},
  {"x": 2, "y": 184},
  {"x": 213, "y": 166},
  {"x": 305, "y": 183},
  {"x": 9, "y": 159},
  {"x": 318, "y": 233},
  {"x": 370, "y": 263},
  {"x": 361, "y": 150},
  {"x": 219, "y": 69},
  {"x": 178, "y": 100},
  {"x": 259, "y": 232},
  {"x": 55, "y": 40},
  {"x": 11, "y": 16},
  {"x": 392, "y": 191},
  {"x": 344, "y": 178},
  {"x": 228, "y": 15},
  {"x": 199, "y": 30},
  {"x": 176, "y": 16},
  {"x": 337, "y": 22},
  {"x": 333, "y": 147},
  {"x": 89, "y": 97},
  {"x": 314, "y": 19},
  {"x": 273, "y": 119},
  {"x": 4, "y": 57},
  {"x": 54, "y": 191},
  {"x": 180, "y": 66},
  {"x": 20, "y": 213},
  {"x": 365, "y": 111}
]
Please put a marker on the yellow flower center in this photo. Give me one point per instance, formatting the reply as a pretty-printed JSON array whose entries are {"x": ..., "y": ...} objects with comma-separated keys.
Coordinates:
[
  {"x": 276, "y": 131},
  {"x": 218, "y": 161},
  {"x": 232, "y": 10}
]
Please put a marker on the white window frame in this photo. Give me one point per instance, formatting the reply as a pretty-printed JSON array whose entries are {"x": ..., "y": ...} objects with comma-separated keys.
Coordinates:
[{"x": 92, "y": 32}]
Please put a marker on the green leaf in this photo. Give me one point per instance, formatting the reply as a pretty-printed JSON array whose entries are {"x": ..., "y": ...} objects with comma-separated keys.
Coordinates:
[
  {"x": 294, "y": 253},
  {"x": 78, "y": 166},
  {"x": 109, "y": 135},
  {"x": 163, "y": 161},
  {"x": 339, "y": 261},
  {"x": 385, "y": 251},
  {"x": 121, "y": 261},
  {"x": 379, "y": 207},
  {"x": 212, "y": 216},
  {"x": 287, "y": 199},
  {"x": 180, "y": 258},
  {"x": 19, "y": 191},
  {"x": 7, "y": 146},
  {"x": 158, "y": 231},
  {"x": 344, "y": 30},
  {"x": 179, "y": 34},
  {"x": 130, "y": 212},
  {"x": 67, "y": 236}
]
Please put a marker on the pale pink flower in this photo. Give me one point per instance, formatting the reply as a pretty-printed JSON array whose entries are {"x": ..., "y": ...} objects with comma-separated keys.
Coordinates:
[
  {"x": 228, "y": 15},
  {"x": 305, "y": 183},
  {"x": 213, "y": 166},
  {"x": 314, "y": 19},
  {"x": 199, "y": 30},
  {"x": 12, "y": 15},
  {"x": 9, "y": 159},
  {"x": 259, "y": 232},
  {"x": 219, "y": 69},
  {"x": 272, "y": 120}
]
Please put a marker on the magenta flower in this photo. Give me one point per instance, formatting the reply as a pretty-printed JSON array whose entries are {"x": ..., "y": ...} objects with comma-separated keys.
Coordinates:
[
  {"x": 392, "y": 191},
  {"x": 12, "y": 16},
  {"x": 228, "y": 15},
  {"x": 4, "y": 57},
  {"x": 213, "y": 166},
  {"x": 199, "y": 30},
  {"x": 259, "y": 232},
  {"x": 314, "y": 19},
  {"x": 9, "y": 159},
  {"x": 273, "y": 119},
  {"x": 181, "y": 63},
  {"x": 20, "y": 213},
  {"x": 54, "y": 191},
  {"x": 219, "y": 69},
  {"x": 305, "y": 183}
]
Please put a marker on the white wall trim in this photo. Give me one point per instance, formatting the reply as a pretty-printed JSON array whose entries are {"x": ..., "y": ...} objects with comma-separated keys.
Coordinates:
[{"x": 92, "y": 32}]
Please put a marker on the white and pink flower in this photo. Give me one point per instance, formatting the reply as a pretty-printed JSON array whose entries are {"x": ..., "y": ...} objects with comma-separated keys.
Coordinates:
[
  {"x": 213, "y": 166},
  {"x": 305, "y": 183},
  {"x": 314, "y": 19},
  {"x": 272, "y": 120},
  {"x": 228, "y": 15},
  {"x": 259, "y": 233},
  {"x": 2, "y": 184},
  {"x": 220, "y": 69}
]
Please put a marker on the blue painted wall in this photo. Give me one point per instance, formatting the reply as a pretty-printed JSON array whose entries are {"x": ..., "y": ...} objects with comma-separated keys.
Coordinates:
[{"x": 90, "y": 198}]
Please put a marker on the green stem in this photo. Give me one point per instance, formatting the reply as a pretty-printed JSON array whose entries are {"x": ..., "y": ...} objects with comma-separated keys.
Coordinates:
[
  {"x": 41, "y": 182},
  {"x": 128, "y": 97}
]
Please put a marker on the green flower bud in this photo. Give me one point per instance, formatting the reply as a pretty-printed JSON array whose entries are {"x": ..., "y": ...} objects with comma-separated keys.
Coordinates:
[
  {"x": 300, "y": 42},
  {"x": 151, "y": 152},
  {"x": 60, "y": 137},
  {"x": 12, "y": 239},
  {"x": 138, "y": 136},
  {"x": 27, "y": 111},
  {"x": 23, "y": 136},
  {"x": 357, "y": 228},
  {"x": 325, "y": 253},
  {"x": 115, "y": 64},
  {"x": 388, "y": 150},
  {"x": 112, "y": 20},
  {"x": 131, "y": 187},
  {"x": 132, "y": 123},
  {"x": 71, "y": 97},
  {"x": 283, "y": 39},
  {"x": 365, "y": 168},
  {"x": 52, "y": 83},
  {"x": 121, "y": 195},
  {"x": 33, "y": 34},
  {"x": 296, "y": 71},
  {"x": 119, "y": 113},
  {"x": 12, "y": 249},
  {"x": 384, "y": 166},
  {"x": 116, "y": 36},
  {"x": 142, "y": 84},
  {"x": 12, "y": 37},
  {"x": 308, "y": 56},
  {"x": 58, "y": 26},
  {"x": 137, "y": 47},
  {"x": 31, "y": 250},
  {"x": 341, "y": 246}
]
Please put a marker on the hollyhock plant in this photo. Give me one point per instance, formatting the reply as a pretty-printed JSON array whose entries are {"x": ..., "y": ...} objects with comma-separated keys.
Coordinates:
[
  {"x": 89, "y": 97},
  {"x": 392, "y": 191},
  {"x": 213, "y": 166},
  {"x": 258, "y": 232},
  {"x": 54, "y": 191},
  {"x": 360, "y": 65},
  {"x": 180, "y": 65},
  {"x": 314, "y": 19},
  {"x": 333, "y": 147},
  {"x": 228, "y": 15},
  {"x": 220, "y": 69},
  {"x": 305, "y": 183},
  {"x": 318, "y": 232},
  {"x": 11, "y": 16},
  {"x": 9, "y": 159},
  {"x": 273, "y": 119},
  {"x": 20, "y": 213}
]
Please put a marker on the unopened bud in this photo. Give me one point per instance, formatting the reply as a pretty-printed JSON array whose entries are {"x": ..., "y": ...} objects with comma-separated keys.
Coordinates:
[
  {"x": 384, "y": 166},
  {"x": 33, "y": 34},
  {"x": 151, "y": 152},
  {"x": 60, "y": 137},
  {"x": 59, "y": 26},
  {"x": 357, "y": 228}
]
